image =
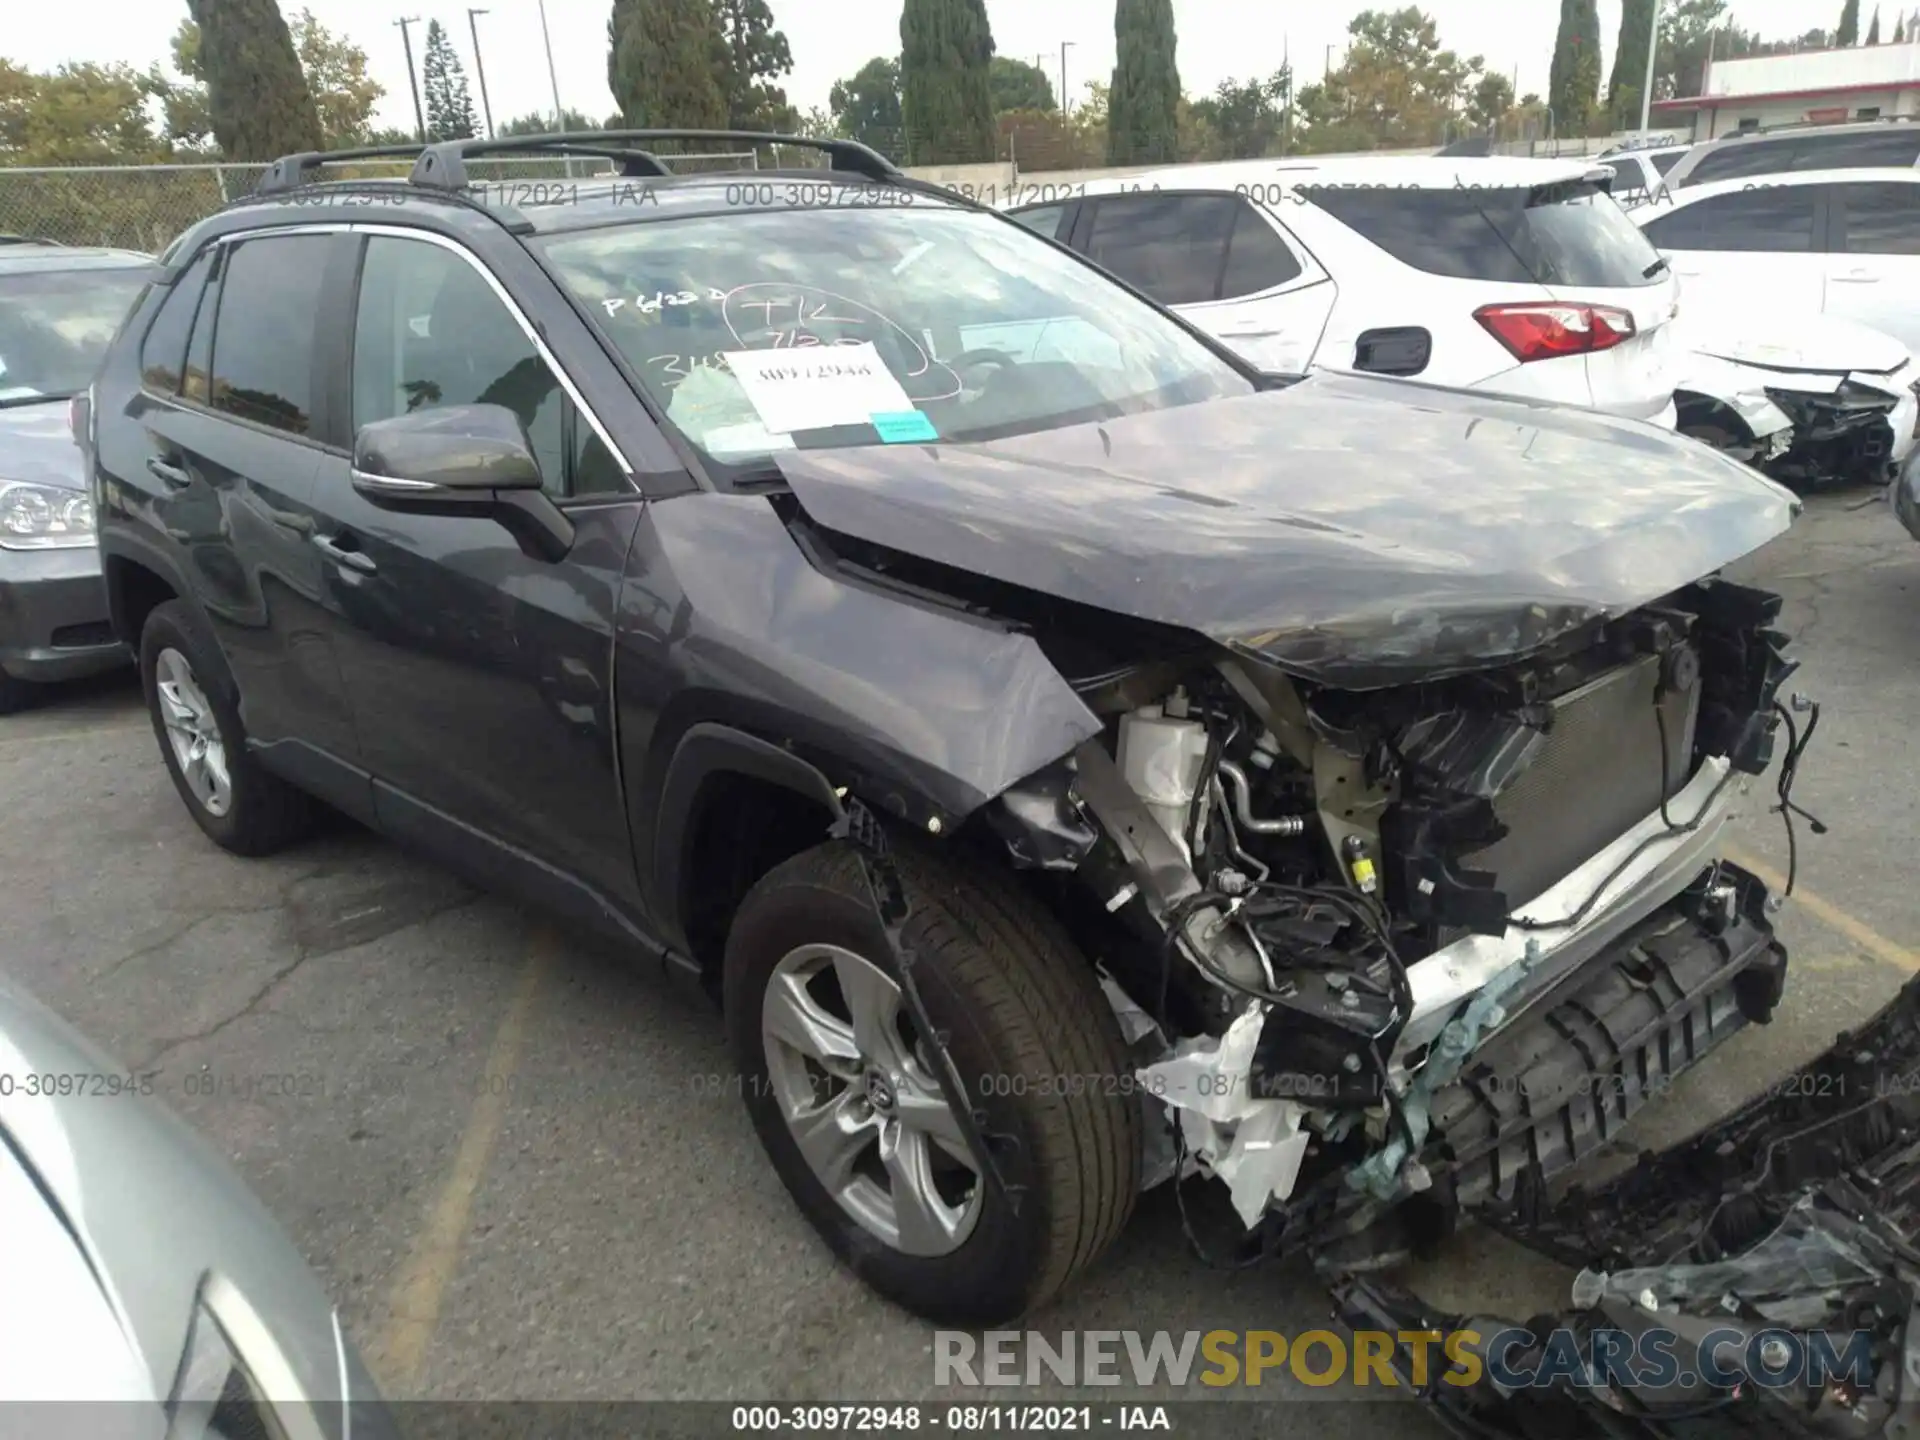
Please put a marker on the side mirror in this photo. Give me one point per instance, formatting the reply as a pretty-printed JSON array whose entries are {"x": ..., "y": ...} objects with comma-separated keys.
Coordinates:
[
  {"x": 458, "y": 448},
  {"x": 461, "y": 460}
]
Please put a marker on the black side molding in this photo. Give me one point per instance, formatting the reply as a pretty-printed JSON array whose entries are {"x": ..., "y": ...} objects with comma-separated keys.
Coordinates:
[{"x": 706, "y": 750}]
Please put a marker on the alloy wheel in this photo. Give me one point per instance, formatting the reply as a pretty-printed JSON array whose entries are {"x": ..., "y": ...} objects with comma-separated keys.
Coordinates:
[
  {"x": 852, "y": 1083},
  {"x": 193, "y": 732}
]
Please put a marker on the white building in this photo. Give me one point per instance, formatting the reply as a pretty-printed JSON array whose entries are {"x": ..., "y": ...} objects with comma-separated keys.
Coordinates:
[{"x": 1865, "y": 82}]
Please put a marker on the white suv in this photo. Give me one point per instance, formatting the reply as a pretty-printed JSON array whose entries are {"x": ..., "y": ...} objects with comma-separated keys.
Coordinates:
[{"x": 1515, "y": 276}]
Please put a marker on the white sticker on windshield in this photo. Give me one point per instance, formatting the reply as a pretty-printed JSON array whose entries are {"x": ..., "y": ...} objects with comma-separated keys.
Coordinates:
[
  {"x": 744, "y": 440},
  {"x": 810, "y": 388}
]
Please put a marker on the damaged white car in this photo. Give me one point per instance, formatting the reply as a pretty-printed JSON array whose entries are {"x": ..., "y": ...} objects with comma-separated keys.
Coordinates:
[{"x": 1808, "y": 399}]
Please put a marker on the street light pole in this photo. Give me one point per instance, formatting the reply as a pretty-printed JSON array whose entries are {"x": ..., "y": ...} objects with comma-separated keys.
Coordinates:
[
  {"x": 479, "y": 69},
  {"x": 413, "y": 80},
  {"x": 1065, "y": 45},
  {"x": 1653, "y": 46},
  {"x": 553, "y": 79}
]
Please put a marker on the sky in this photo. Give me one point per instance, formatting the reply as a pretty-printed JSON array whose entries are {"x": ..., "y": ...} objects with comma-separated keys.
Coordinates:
[{"x": 1218, "y": 39}]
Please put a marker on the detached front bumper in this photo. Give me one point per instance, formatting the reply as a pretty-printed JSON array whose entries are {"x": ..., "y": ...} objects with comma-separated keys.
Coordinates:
[
  {"x": 53, "y": 616},
  {"x": 1778, "y": 1245}
]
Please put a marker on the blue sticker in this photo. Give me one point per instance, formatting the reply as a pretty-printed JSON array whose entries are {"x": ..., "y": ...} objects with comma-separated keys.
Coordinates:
[{"x": 905, "y": 427}]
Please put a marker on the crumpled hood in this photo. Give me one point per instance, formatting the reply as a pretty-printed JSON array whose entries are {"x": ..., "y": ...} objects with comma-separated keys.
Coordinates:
[
  {"x": 1355, "y": 531},
  {"x": 1796, "y": 342},
  {"x": 37, "y": 446}
]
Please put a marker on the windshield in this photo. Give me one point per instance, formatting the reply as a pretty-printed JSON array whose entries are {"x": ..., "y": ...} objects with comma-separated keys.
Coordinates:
[
  {"x": 1570, "y": 234},
  {"x": 762, "y": 331},
  {"x": 54, "y": 327}
]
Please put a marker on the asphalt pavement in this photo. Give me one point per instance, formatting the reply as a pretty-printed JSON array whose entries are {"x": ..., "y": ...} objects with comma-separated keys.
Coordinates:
[{"x": 518, "y": 1158}]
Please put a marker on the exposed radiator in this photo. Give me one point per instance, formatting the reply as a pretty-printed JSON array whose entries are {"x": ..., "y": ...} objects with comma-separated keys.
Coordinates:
[{"x": 1597, "y": 776}]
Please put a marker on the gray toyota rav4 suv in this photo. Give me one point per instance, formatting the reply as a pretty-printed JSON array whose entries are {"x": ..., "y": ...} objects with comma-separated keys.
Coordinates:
[{"x": 1074, "y": 761}]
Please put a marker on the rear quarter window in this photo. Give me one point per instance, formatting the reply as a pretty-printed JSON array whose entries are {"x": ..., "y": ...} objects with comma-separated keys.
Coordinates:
[{"x": 1567, "y": 234}]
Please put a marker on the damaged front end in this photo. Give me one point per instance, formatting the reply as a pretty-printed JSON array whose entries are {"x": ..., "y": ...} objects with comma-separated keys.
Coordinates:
[
  {"x": 1398, "y": 955},
  {"x": 1769, "y": 1258}
]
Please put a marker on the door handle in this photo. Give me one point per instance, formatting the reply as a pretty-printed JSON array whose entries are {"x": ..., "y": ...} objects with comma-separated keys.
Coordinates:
[
  {"x": 1857, "y": 277},
  {"x": 352, "y": 559},
  {"x": 168, "y": 473}
]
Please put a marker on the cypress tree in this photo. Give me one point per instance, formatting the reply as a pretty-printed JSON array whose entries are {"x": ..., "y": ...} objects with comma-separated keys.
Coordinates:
[
  {"x": 1849, "y": 31},
  {"x": 257, "y": 97},
  {"x": 1629, "y": 62},
  {"x": 946, "y": 51},
  {"x": 1873, "y": 30},
  {"x": 1143, "y": 107},
  {"x": 664, "y": 64},
  {"x": 443, "y": 82},
  {"x": 1573, "y": 83}
]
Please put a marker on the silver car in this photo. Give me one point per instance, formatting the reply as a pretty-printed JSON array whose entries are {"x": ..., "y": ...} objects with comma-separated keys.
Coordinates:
[
  {"x": 148, "y": 1294},
  {"x": 58, "y": 309}
]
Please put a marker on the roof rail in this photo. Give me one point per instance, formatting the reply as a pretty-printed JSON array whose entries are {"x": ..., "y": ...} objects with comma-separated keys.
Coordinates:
[
  {"x": 442, "y": 166},
  {"x": 290, "y": 172}
]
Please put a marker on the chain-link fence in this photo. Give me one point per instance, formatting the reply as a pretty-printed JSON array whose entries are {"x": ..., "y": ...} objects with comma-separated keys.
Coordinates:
[{"x": 142, "y": 207}]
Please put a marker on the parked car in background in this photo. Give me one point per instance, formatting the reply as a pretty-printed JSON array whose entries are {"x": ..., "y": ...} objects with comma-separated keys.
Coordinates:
[
  {"x": 1809, "y": 399},
  {"x": 1514, "y": 276},
  {"x": 58, "y": 309},
  {"x": 1063, "y": 749},
  {"x": 1747, "y": 154},
  {"x": 1640, "y": 174},
  {"x": 1823, "y": 242},
  {"x": 148, "y": 1294}
]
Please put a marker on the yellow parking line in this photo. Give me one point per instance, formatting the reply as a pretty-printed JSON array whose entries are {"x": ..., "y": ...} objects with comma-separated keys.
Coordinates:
[
  {"x": 413, "y": 1309},
  {"x": 1829, "y": 914}
]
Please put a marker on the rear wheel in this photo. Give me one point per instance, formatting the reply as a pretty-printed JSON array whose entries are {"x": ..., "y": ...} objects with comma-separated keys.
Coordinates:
[
  {"x": 239, "y": 804},
  {"x": 841, "y": 1085}
]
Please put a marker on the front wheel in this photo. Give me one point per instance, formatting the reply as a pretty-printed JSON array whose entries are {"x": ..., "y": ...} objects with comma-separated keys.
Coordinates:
[
  {"x": 841, "y": 1087},
  {"x": 232, "y": 797}
]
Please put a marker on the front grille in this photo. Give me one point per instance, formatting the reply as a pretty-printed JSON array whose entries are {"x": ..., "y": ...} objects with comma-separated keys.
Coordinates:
[{"x": 1596, "y": 777}]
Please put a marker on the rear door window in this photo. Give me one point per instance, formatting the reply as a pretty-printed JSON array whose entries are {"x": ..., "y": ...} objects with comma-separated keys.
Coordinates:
[
  {"x": 1742, "y": 158},
  {"x": 1258, "y": 259},
  {"x": 263, "y": 341},
  {"x": 1042, "y": 219},
  {"x": 1768, "y": 217},
  {"x": 1568, "y": 234},
  {"x": 1172, "y": 247},
  {"x": 1881, "y": 218},
  {"x": 1894, "y": 146},
  {"x": 1665, "y": 163}
]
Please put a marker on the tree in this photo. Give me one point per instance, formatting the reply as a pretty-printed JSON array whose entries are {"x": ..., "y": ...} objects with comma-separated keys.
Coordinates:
[
  {"x": 76, "y": 114},
  {"x": 1873, "y": 30},
  {"x": 665, "y": 59},
  {"x": 1573, "y": 83},
  {"x": 443, "y": 85},
  {"x": 1629, "y": 62},
  {"x": 1397, "y": 87},
  {"x": 756, "y": 55},
  {"x": 1143, "y": 121},
  {"x": 336, "y": 69},
  {"x": 538, "y": 124},
  {"x": 1244, "y": 120},
  {"x": 1900, "y": 31},
  {"x": 258, "y": 103},
  {"x": 1849, "y": 31},
  {"x": 866, "y": 107},
  {"x": 946, "y": 102},
  {"x": 1016, "y": 85},
  {"x": 1489, "y": 101}
]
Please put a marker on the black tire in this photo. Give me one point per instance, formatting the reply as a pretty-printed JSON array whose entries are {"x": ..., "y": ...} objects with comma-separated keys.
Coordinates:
[
  {"x": 17, "y": 694},
  {"x": 263, "y": 813},
  {"x": 1023, "y": 1014}
]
